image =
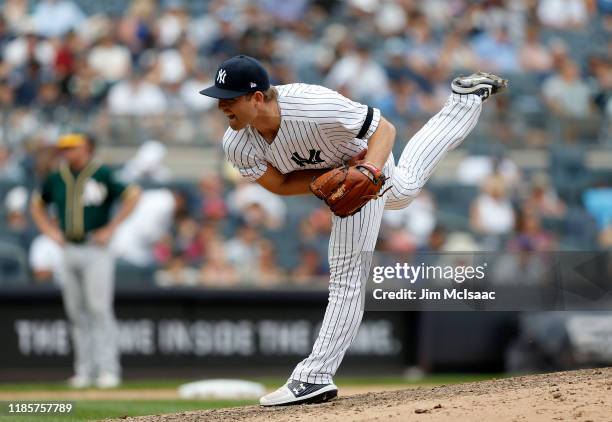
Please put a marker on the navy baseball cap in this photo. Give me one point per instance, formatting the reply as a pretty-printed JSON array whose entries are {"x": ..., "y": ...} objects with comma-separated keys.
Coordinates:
[{"x": 238, "y": 76}]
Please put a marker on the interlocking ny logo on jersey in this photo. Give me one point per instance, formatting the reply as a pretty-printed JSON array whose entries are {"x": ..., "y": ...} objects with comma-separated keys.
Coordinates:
[
  {"x": 221, "y": 76},
  {"x": 315, "y": 158}
]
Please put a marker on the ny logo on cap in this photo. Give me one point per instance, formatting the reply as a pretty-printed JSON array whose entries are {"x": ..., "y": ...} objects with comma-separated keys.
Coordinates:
[{"x": 221, "y": 76}]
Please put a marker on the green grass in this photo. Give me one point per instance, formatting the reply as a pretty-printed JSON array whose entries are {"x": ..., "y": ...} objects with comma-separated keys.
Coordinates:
[
  {"x": 102, "y": 409},
  {"x": 268, "y": 382}
]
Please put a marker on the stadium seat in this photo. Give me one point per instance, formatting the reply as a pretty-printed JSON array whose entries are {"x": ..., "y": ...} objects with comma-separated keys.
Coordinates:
[
  {"x": 568, "y": 171},
  {"x": 13, "y": 264},
  {"x": 453, "y": 197},
  {"x": 131, "y": 276}
]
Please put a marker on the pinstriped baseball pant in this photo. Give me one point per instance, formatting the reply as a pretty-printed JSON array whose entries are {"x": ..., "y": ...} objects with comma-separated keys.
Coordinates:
[{"x": 354, "y": 235}]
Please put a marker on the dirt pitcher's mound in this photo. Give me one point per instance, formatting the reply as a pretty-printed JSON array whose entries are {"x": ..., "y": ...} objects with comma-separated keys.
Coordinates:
[{"x": 577, "y": 395}]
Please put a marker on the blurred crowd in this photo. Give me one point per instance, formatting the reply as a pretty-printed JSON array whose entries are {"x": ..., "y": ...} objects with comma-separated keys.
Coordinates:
[
  {"x": 225, "y": 232},
  {"x": 133, "y": 74}
]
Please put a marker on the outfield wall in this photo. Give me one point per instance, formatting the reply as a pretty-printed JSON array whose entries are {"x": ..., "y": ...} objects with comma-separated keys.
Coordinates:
[{"x": 183, "y": 332}]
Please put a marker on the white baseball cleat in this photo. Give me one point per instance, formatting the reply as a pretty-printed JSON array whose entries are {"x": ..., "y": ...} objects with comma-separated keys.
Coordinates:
[
  {"x": 79, "y": 381},
  {"x": 479, "y": 83},
  {"x": 108, "y": 380},
  {"x": 298, "y": 392}
]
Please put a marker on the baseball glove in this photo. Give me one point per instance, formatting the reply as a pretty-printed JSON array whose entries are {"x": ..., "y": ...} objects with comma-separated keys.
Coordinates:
[{"x": 347, "y": 189}]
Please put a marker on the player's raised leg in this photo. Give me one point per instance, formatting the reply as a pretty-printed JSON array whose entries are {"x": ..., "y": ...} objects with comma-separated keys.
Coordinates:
[{"x": 442, "y": 133}]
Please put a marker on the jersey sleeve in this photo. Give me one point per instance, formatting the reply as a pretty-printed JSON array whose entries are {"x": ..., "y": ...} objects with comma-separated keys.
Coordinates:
[
  {"x": 342, "y": 119},
  {"x": 244, "y": 156}
]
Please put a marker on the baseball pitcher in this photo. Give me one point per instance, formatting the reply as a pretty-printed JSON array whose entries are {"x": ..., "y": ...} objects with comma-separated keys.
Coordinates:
[{"x": 283, "y": 137}]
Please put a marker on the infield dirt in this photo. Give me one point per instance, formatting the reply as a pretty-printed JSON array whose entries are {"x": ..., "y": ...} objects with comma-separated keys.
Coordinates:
[{"x": 584, "y": 395}]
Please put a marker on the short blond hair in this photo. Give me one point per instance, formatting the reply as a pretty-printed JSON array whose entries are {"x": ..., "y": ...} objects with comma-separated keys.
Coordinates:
[{"x": 269, "y": 94}]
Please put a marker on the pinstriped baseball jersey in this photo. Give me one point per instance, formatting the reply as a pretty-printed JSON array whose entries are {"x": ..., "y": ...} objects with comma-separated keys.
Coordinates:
[{"x": 318, "y": 129}]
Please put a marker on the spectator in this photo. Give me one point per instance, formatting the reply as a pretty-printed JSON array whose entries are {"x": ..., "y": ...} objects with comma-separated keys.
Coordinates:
[
  {"x": 243, "y": 250},
  {"x": 496, "y": 51},
  {"x": 412, "y": 225},
  {"x": 190, "y": 89},
  {"x": 48, "y": 99},
  {"x": 358, "y": 75},
  {"x": 171, "y": 68},
  {"x": 163, "y": 249},
  {"x": 258, "y": 206},
  {"x": 15, "y": 14},
  {"x": 563, "y": 14},
  {"x": 598, "y": 203},
  {"x": 530, "y": 237},
  {"x": 311, "y": 270},
  {"x": 54, "y": 18},
  {"x": 82, "y": 75},
  {"x": 543, "y": 199},
  {"x": 491, "y": 213},
  {"x": 474, "y": 170},
  {"x": 136, "y": 97},
  {"x": 5, "y": 34},
  {"x": 64, "y": 64},
  {"x": 15, "y": 206},
  {"x": 217, "y": 271},
  {"x": 391, "y": 19},
  {"x": 176, "y": 273},
  {"x": 9, "y": 166},
  {"x": 524, "y": 257},
  {"x": 396, "y": 67},
  {"x": 85, "y": 87},
  {"x": 456, "y": 54},
  {"x": 423, "y": 50},
  {"x": 7, "y": 96},
  {"x": 286, "y": 12},
  {"x": 600, "y": 81},
  {"x": 200, "y": 248},
  {"x": 460, "y": 242},
  {"x": 110, "y": 59},
  {"x": 605, "y": 238},
  {"x": 566, "y": 94},
  {"x": 403, "y": 100},
  {"x": 315, "y": 229},
  {"x": 212, "y": 203},
  {"x": 268, "y": 273},
  {"x": 186, "y": 237},
  {"x": 225, "y": 43},
  {"x": 437, "y": 239},
  {"x": 27, "y": 84},
  {"x": 27, "y": 48},
  {"x": 533, "y": 55},
  {"x": 173, "y": 23},
  {"x": 136, "y": 28}
]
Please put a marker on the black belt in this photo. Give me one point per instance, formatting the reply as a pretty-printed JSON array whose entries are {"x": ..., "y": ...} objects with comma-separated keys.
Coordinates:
[{"x": 76, "y": 241}]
